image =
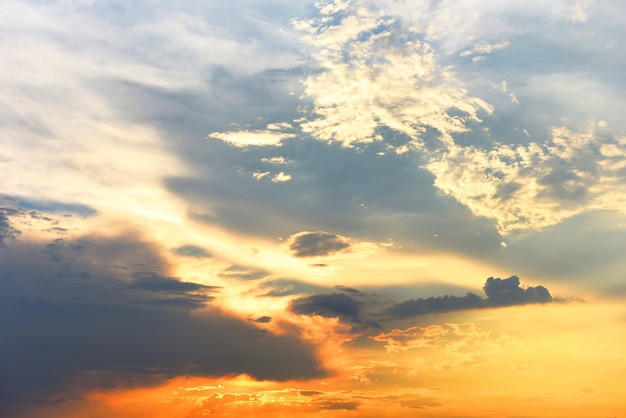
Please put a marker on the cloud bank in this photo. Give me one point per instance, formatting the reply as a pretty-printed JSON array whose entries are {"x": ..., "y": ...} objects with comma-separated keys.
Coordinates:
[
  {"x": 97, "y": 312},
  {"x": 500, "y": 292}
]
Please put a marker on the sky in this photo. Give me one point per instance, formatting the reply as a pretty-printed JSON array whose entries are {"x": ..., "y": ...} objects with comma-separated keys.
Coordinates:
[{"x": 359, "y": 208}]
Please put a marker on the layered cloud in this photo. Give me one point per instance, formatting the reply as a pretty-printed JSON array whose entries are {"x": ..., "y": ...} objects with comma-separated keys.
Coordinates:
[
  {"x": 329, "y": 306},
  {"x": 357, "y": 307},
  {"x": 78, "y": 314}
]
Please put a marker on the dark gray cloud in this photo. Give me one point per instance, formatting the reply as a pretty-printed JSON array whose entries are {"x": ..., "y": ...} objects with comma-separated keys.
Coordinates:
[
  {"x": 349, "y": 290},
  {"x": 170, "y": 290},
  {"x": 329, "y": 306},
  {"x": 83, "y": 314},
  {"x": 262, "y": 319},
  {"x": 320, "y": 243},
  {"x": 337, "y": 305},
  {"x": 6, "y": 229},
  {"x": 500, "y": 292},
  {"x": 437, "y": 304},
  {"x": 192, "y": 251}
]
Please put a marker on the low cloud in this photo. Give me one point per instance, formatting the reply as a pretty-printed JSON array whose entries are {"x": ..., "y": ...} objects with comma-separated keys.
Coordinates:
[
  {"x": 99, "y": 312},
  {"x": 500, "y": 292},
  {"x": 262, "y": 319},
  {"x": 329, "y": 306},
  {"x": 503, "y": 292},
  {"x": 315, "y": 244},
  {"x": 345, "y": 307}
]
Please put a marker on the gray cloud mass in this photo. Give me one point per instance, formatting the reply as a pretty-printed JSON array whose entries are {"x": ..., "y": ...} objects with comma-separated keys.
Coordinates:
[{"x": 100, "y": 312}]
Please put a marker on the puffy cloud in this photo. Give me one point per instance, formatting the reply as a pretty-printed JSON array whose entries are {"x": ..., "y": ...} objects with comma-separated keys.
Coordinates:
[
  {"x": 377, "y": 72},
  {"x": 500, "y": 292},
  {"x": 535, "y": 185},
  {"x": 316, "y": 244}
]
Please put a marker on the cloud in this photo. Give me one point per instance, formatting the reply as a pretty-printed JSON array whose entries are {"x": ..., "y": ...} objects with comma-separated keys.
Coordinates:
[
  {"x": 6, "y": 229},
  {"x": 503, "y": 292},
  {"x": 192, "y": 294},
  {"x": 339, "y": 405},
  {"x": 578, "y": 12},
  {"x": 262, "y": 319},
  {"x": 192, "y": 251},
  {"x": 316, "y": 244},
  {"x": 484, "y": 48},
  {"x": 536, "y": 185},
  {"x": 251, "y": 138},
  {"x": 286, "y": 287},
  {"x": 461, "y": 341},
  {"x": 349, "y": 290},
  {"x": 377, "y": 72},
  {"x": 437, "y": 304},
  {"x": 500, "y": 292},
  {"x": 329, "y": 306},
  {"x": 243, "y": 273},
  {"x": 98, "y": 312}
]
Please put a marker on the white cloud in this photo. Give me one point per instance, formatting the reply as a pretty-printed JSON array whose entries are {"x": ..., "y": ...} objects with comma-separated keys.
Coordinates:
[
  {"x": 258, "y": 175},
  {"x": 377, "y": 73},
  {"x": 536, "y": 185},
  {"x": 484, "y": 48},
  {"x": 578, "y": 12},
  {"x": 281, "y": 177},
  {"x": 275, "y": 160},
  {"x": 251, "y": 138}
]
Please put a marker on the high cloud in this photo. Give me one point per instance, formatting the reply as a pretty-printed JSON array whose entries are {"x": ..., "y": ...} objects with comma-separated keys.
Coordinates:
[
  {"x": 536, "y": 185},
  {"x": 377, "y": 73}
]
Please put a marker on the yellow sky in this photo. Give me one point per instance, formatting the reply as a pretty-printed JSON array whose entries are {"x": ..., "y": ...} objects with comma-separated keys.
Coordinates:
[{"x": 563, "y": 360}]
